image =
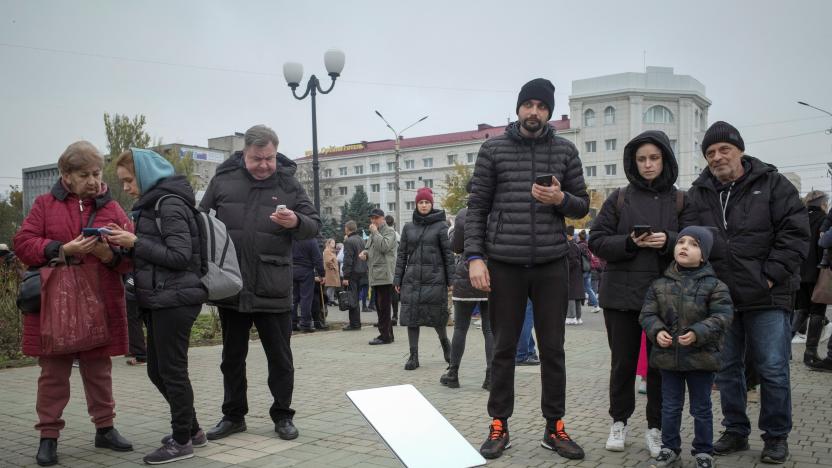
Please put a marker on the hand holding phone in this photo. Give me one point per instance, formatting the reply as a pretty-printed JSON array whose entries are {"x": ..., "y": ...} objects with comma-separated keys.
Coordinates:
[
  {"x": 90, "y": 232},
  {"x": 279, "y": 208},
  {"x": 641, "y": 229},
  {"x": 544, "y": 180}
]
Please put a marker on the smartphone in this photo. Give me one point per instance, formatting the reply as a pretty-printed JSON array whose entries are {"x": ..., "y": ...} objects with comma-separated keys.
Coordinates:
[
  {"x": 640, "y": 229},
  {"x": 544, "y": 180},
  {"x": 90, "y": 232},
  {"x": 279, "y": 208}
]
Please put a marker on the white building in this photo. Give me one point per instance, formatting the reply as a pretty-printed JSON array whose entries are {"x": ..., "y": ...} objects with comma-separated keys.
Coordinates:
[{"x": 608, "y": 111}]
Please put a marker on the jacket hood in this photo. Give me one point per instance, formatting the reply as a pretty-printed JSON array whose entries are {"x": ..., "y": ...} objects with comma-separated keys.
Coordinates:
[
  {"x": 513, "y": 132},
  {"x": 754, "y": 168},
  {"x": 177, "y": 185},
  {"x": 235, "y": 161},
  {"x": 670, "y": 168},
  {"x": 673, "y": 273},
  {"x": 150, "y": 168},
  {"x": 61, "y": 192},
  {"x": 434, "y": 216}
]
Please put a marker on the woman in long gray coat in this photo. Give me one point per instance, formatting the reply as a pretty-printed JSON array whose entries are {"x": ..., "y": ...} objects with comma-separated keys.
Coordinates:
[{"x": 424, "y": 272}]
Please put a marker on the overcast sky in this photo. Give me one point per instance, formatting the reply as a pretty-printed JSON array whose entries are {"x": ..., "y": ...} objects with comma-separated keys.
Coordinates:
[{"x": 201, "y": 69}]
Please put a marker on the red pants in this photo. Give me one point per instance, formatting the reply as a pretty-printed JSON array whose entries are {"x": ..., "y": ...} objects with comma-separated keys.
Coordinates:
[{"x": 53, "y": 392}]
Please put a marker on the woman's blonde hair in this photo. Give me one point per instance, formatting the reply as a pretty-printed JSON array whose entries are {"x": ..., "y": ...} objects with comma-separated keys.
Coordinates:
[{"x": 125, "y": 160}]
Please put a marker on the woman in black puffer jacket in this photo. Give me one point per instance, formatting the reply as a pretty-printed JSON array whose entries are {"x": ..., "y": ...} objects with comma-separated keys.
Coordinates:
[
  {"x": 424, "y": 272},
  {"x": 632, "y": 265},
  {"x": 168, "y": 264},
  {"x": 466, "y": 297}
]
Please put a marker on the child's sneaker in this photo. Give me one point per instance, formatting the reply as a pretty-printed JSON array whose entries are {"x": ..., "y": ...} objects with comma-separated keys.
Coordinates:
[
  {"x": 667, "y": 457},
  {"x": 170, "y": 452},
  {"x": 704, "y": 460},
  {"x": 654, "y": 441},
  {"x": 618, "y": 437},
  {"x": 198, "y": 440},
  {"x": 497, "y": 440},
  {"x": 559, "y": 441}
]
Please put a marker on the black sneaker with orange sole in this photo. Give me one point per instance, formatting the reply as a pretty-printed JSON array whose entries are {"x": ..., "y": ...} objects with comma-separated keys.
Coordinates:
[
  {"x": 497, "y": 440},
  {"x": 559, "y": 441}
]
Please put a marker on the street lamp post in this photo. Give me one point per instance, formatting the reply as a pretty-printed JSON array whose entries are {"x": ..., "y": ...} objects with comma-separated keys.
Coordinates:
[
  {"x": 828, "y": 131},
  {"x": 398, "y": 158},
  {"x": 293, "y": 73}
]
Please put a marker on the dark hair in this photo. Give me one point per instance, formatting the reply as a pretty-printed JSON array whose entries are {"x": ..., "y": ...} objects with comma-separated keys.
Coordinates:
[
  {"x": 570, "y": 230},
  {"x": 582, "y": 235},
  {"x": 351, "y": 226},
  {"x": 389, "y": 220}
]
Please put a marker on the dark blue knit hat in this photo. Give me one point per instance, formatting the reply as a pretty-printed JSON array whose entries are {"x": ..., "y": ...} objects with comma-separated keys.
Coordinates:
[{"x": 703, "y": 236}]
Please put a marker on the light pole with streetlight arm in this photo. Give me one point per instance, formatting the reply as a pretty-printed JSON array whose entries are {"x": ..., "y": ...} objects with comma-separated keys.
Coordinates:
[
  {"x": 829, "y": 130},
  {"x": 398, "y": 169},
  {"x": 293, "y": 73}
]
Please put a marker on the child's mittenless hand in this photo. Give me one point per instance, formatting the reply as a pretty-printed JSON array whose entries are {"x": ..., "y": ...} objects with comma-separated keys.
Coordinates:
[
  {"x": 687, "y": 339},
  {"x": 664, "y": 339}
]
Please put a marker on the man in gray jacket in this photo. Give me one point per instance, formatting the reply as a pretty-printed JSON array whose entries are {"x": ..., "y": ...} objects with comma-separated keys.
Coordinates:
[
  {"x": 381, "y": 260},
  {"x": 245, "y": 192}
]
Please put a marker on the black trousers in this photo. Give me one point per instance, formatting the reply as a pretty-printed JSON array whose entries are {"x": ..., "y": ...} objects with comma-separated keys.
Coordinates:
[
  {"x": 168, "y": 338},
  {"x": 135, "y": 332},
  {"x": 275, "y": 330},
  {"x": 624, "y": 337},
  {"x": 462, "y": 320},
  {"x": 383, "y": 296},
  {"x": 303, "y": 292},
  {"x": 356, "y": 281},
  {"x": 511, "y": 286}
]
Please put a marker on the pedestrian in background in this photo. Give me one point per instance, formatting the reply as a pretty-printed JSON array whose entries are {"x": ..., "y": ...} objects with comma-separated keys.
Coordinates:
[{"x": 424, "y": 272}]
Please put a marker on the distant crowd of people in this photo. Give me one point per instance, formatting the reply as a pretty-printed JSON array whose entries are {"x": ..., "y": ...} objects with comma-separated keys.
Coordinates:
[{"x": 701, "y": 284}]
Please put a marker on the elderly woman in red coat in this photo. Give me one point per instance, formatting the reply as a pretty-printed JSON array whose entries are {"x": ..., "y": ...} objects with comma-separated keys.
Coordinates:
[{"x": 54, "y": 225}]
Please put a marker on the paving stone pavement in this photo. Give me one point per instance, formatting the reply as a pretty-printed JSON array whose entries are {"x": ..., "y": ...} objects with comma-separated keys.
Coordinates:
[{"x": 332, "y": 432}]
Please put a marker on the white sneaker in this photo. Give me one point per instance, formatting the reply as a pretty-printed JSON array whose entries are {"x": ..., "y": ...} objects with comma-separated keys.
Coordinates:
[
  {"x": 618, "y": 434},
  {"x": 579, "y": 322},
  {"x": 570, "y": 321},
  {"x": 596, "y": 309},
  {"x": 654, "y": 441},
  {"x": 799, "y": 338},
  {"x": 826, "y": 332}
]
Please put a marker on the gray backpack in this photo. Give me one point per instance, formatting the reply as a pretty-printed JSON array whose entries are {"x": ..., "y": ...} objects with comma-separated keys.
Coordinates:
[{"x": 220, "y": 269}]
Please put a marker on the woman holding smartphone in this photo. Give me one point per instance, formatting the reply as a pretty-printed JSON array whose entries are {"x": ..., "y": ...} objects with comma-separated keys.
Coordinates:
[
  {"x": 635, "y": 232},
  {"x": 168, "y": 266}
]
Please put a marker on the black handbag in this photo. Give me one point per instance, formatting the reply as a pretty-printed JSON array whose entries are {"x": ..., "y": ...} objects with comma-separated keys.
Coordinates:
[
  {"x": 347, "y": 300},
  {"x": 28, "y": 296}
]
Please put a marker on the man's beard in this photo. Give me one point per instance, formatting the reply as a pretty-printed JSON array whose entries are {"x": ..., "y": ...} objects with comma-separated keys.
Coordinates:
[{"x": 532, "y": 126}]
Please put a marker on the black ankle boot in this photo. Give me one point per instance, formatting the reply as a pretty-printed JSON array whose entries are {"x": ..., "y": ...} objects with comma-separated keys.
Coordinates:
[
  {"x": 486, "y": 384},
  {"x": 47, "y": 452},
  {"x": 813, "y": 331},
  {"x": 413, "y": 361},
  {"x": 446, "y": 349},
  {"x": 451, "y": 377}
]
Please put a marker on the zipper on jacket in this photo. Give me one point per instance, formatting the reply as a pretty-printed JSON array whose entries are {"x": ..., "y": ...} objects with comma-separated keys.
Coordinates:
[{"x": 533, "y": 217}]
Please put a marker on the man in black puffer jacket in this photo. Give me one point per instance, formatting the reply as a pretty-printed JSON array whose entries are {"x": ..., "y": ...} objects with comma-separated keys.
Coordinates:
[
  {"x": 762, "y": 238},
  {"x": 518, "y": 225},
  {"x": 245, "y": 192}
]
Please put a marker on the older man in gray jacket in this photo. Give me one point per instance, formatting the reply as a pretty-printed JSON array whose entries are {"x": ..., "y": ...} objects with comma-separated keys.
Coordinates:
[{"x": 381, "y": 259}]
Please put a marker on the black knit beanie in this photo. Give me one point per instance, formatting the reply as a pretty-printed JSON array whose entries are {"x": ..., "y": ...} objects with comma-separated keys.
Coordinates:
[
  {"x": 541, "y": 89},
  {"x": 721, "y": 132}
]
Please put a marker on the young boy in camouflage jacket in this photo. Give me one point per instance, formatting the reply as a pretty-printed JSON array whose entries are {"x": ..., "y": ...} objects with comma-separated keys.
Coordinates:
[{"x": 686, "y": 313}]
